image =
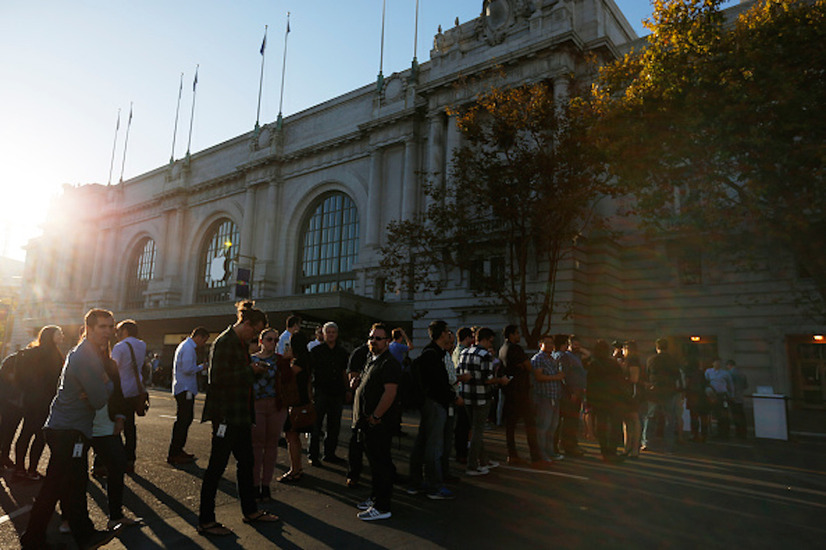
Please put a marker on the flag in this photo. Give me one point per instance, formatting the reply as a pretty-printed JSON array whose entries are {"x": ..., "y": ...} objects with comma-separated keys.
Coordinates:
[
  {"x": 264, "y": 43},
  {"x": 195, "y": 81}
]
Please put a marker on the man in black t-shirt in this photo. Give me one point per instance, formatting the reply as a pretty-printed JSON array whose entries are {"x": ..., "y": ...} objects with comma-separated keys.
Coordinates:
[
  {"x": 518, "y": 405},
  {"x": 330, "y": 386},
  {"x": 376, "y": 415}
]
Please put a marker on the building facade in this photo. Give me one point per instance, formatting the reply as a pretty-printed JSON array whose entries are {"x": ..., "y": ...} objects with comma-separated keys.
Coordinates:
[{"x": 298, "y": 212}]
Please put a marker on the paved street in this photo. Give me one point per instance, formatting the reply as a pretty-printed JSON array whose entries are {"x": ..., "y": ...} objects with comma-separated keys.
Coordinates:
[{"x": 755, "y": 494}]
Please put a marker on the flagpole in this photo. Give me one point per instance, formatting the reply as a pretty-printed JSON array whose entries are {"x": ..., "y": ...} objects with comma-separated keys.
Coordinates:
[
  {"x": 261, "y": 79},
  {"x": 192, "y": 113},
  {"x": 126, "y": 142},
  {"x": 280, "y": 120},
  {"x": 415, "y": 66},
  {"x": 114, "y": 145},
  {"x": 380, "y": 78},
  {"x": 177, "y": 112}
]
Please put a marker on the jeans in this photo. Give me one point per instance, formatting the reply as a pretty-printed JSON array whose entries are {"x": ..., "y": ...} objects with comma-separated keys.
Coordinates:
[
  {"x": 606, "y": 422},
  {"x": 327, "y": 406},
  {"x": 34, "y": 419},
  {"x": 66, "y": 479},
  {"x": 447, "y": 440},
  {"x": 428, "y": 447},
  {"x": 109, "y": 449},
  {"x": 237, "y": 440},
  {"x": 547, "y": 420},
  {"x": 461, "y": 432},
  {"x": 130, "y": 436},
  {"x": 377, "y": 442},
  {"x": 180, "y": 430},
  {"x": 269, "y": 423},
  {"x": 668, "y": 404},
  {"x": 518, "y": 407},
  {"x": 568, "y": 429},
  {"x": 476, "y": 454}
]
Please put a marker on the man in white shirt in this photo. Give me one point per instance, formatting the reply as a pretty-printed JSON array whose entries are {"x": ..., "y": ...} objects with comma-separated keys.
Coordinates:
[
  {"x": 319, "y": 338},
  {"x": 130, "y": 353},
  {"x": 293, "y": 326},
  {"x": 185, "y": 371}
]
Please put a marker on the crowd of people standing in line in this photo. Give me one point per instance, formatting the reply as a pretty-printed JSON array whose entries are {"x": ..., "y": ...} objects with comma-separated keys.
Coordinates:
[{"x": 262, "y": 386}]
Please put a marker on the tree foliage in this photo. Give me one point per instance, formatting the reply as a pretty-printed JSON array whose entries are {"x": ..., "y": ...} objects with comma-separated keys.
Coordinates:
[
  {"x": 523, "y": 186},
  {"x": 717, "y": 126}
]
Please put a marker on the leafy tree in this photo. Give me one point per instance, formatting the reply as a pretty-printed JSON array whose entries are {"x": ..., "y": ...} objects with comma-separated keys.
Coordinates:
[
  {"x": 524, "y": 185},
  {"x": 716, "y": 127}
]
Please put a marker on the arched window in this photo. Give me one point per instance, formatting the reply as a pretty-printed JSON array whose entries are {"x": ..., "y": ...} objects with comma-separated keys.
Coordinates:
[
  {"x": 141, "y": 271},
  {"x": 218, "y": 263},
  {"x": 330, "y": 246}
]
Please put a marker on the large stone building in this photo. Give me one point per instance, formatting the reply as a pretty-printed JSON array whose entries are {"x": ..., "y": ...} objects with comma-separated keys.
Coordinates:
[{"x": 303, "y": 208}]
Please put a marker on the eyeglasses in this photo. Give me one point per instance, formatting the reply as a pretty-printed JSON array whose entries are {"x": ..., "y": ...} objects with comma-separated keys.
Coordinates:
[{"x": 377, "y": 338}]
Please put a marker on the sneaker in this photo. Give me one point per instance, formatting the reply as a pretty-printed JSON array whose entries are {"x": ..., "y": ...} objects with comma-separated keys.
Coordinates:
[
  {"x": 98, "y": 539},
  {"x": 557, "y": 457},
  {"x": 480, "y": 471},
  {"x": 491, "y": 464},
  {"x": 366, "y": 505},
  {"x": 372, "y": 514},
  {"x": 442, "y": 494},
  {"x": 413, "y": 490}
]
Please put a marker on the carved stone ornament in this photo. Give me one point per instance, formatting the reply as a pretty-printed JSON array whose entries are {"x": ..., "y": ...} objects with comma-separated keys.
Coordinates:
[{"x": 500, "y": 15}]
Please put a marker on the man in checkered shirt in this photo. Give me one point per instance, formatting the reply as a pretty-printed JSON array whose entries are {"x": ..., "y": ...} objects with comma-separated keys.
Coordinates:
[
  {"x": 547, "y": 389},
  {"x": 478, "y": 362}
]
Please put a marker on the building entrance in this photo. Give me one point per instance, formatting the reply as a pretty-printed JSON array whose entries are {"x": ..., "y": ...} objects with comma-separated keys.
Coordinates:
[{"x": 807, "y": 361}]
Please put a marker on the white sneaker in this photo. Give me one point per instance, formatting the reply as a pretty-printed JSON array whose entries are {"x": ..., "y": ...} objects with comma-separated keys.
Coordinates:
[
  {"x": 480, "y": 471},
  {"x": 558, "y": 457},
  {"x": 372, "y": 514},
  {"x": 491, "y": 465},
  {"x": 366, "y": 505}
]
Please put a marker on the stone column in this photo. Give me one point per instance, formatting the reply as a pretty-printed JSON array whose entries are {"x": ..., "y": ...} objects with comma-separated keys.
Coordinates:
[
  {"x": 435, "y": 152},
  {"x": 454, "y": 140},
  {"x": 561, "y": 86},
  {"x": 245, "y": 248},
  {"x": 411, "y": 183},
  {"x": 270, "y": 227},
  {"x": 374, "y": 218}
]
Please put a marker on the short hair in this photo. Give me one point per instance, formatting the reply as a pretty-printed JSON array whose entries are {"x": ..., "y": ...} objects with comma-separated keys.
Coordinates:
[
  {"x": 199, "y": 331},
  {"x": 510, "y": 329},
  {"x": 266, "y": 331},
  {"x": 92, "y": 316},
  {"x": 380, "y": 326},
  {"x": 731, "y": 362},
  {"x": 293, "y": 320},
  {"x": 330, "y": 324},
  {"x": 662, "y": 344},
  {"x": 546, "y": 338},
  {"x": 397, "y": 333},
  {"x": 560, "y": 341},
  {"x": 464, "y": 333},
  {"x": 436, "y": 328},
  {"x": 248, "y": 312},
  {"x": 484, "y": 333},
  {"x": 130, "y": 326}
]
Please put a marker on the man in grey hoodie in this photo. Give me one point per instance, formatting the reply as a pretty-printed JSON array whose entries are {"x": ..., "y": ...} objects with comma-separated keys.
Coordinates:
[{"x": 84, "y": 387}]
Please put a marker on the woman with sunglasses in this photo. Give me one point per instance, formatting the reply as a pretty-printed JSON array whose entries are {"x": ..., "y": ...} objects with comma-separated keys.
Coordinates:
[{"x": 270, "y": 411}]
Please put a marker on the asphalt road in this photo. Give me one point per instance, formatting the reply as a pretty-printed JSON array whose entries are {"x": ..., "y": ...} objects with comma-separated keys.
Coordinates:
[{"x": 753, "y": 494}]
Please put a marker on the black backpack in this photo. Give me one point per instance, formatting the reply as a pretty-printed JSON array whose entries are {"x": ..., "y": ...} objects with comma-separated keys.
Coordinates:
[
  {"x": 10, "y": 377},
  {"x": 411, "y": 391}
]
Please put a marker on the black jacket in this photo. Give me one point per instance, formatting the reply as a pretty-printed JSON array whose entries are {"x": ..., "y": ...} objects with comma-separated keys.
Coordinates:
[
  {"x": 329, "y": 369},
  {"x": 433, "y": 375}
]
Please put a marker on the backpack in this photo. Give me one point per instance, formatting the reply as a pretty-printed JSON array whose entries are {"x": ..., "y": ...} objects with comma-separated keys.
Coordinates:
[
  {"x": 10, "y": 376},
  {"x": 411, "y": 391}
]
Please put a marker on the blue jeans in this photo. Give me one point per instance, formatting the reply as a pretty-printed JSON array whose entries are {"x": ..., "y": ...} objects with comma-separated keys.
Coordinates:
[
  {"x": 547, "y": 420},
  {"x": 668, "y": 405},
  {"x": 429, "y": 445}
]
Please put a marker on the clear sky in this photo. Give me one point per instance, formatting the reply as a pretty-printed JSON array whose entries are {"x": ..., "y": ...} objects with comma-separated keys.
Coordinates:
[{"x": 66, "y": 67}]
